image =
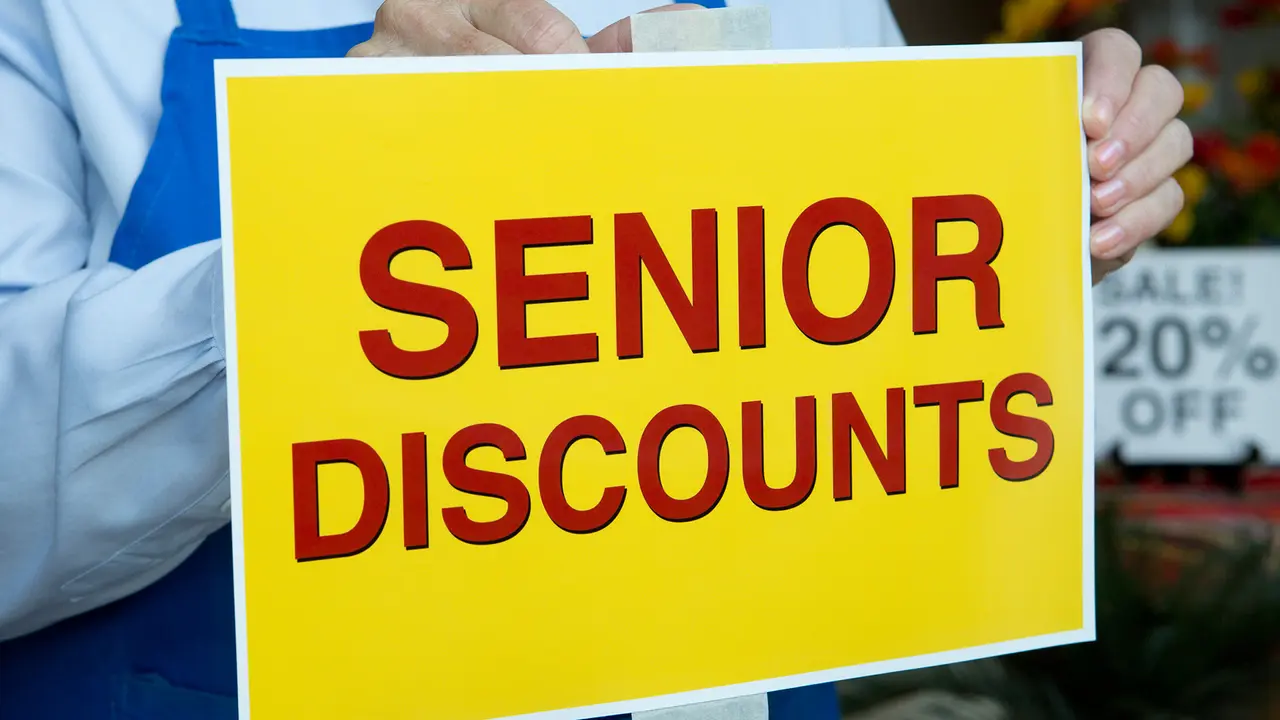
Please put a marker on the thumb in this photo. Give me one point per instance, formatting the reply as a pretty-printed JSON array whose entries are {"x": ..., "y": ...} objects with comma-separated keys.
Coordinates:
[{"x": 617, "y": 37}]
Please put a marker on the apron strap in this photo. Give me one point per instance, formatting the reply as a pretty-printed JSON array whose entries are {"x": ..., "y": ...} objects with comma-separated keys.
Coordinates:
[{"x": 210, "y": 20}]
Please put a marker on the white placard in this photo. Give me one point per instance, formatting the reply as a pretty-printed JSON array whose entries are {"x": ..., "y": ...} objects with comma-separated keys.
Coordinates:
[{"x": 1188, "y": 344}]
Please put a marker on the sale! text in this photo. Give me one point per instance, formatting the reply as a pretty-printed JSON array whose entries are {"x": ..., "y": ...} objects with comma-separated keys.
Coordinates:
[{"x": 695, "y": 309}]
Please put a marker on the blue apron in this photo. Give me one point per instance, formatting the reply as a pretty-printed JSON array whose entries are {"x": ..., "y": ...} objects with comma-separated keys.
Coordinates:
[{"x": 168, "y": 652}]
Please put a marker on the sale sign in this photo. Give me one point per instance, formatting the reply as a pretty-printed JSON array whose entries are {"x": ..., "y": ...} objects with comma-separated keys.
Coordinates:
[
  {"x": 1188, "y": 353},
  {"x": 570, "y": 386}
]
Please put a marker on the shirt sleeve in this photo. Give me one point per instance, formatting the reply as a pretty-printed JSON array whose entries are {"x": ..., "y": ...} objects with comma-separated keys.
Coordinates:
[
  {"x": 890, "y": 33},
  {"x": 113, "y": 435},
  {"x": 862, "y": 23}
]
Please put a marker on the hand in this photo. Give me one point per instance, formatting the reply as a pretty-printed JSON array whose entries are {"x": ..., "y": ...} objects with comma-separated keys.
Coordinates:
[
  {"x": 1136, "y": 144},
  {"x": 486, "y": 27}
]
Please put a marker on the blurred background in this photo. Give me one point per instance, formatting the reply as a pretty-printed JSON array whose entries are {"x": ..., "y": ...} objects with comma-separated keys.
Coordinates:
[{"x": 1188, "y": 401}]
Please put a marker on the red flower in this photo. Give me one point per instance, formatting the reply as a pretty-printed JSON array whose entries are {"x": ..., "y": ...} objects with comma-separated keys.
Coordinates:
[
  {"x": 1239, "y": 16},
  {"x": 1206, "y": 58},
  {"x": 1077, "y": 10},
  {"x": 1244, "y": 174},
  {"x": 1264, "y": 150},
  {"x": 1209, "y": 148},
  {"x": 1166, "y": 52}
]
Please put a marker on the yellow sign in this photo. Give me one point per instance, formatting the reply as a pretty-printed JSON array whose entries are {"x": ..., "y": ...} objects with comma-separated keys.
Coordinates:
[{"x": 567, "y": 386}]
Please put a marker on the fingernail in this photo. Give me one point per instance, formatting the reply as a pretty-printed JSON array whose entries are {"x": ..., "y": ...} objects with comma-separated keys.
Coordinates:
[
  {"x": 1100, "y": 110},
  {"x": 1109, "y": 153},
  {"x": 1105, "y": 238},
  {"x": 1109, "y": 193}
]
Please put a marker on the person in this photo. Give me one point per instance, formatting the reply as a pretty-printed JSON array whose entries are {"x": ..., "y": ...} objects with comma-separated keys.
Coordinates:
[{"x": 115, "y": 560}]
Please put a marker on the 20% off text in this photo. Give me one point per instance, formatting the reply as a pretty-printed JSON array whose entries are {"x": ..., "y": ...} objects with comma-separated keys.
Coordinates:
[{"x": 1168, "y": 350}]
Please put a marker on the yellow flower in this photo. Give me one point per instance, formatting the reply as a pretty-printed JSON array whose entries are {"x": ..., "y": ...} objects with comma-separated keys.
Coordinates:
[
  {"x": 1196, "y": 95},
  {"x": 1026, "y": 19},
  {"x": 1183, "y": 224},
  {"x": 1194, "y": 181},
  {"x": 1250, "y": 83}
]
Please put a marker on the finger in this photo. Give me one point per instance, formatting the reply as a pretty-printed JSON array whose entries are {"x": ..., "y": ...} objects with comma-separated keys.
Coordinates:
[
  {"x": 373, "y": 47},
  {"x": 1142, "y": 220},
  {"x": 1111, "y": 62},
  {"x": 1103, "y": 268},
  {"x": 458, "y": 39},
  {"x": 533, "y": 27},
  {"x": 413, "y": 28},
  {"x": 377, "y": 45},
  {"x": 1156, "y": 99},
  {"x": 1171, "y": 150},
  {"x": 617, "y": 37}
]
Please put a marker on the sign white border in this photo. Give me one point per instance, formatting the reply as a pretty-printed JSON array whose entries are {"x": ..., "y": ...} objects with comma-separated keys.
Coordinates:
[{"x": 225, "y": 69}]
